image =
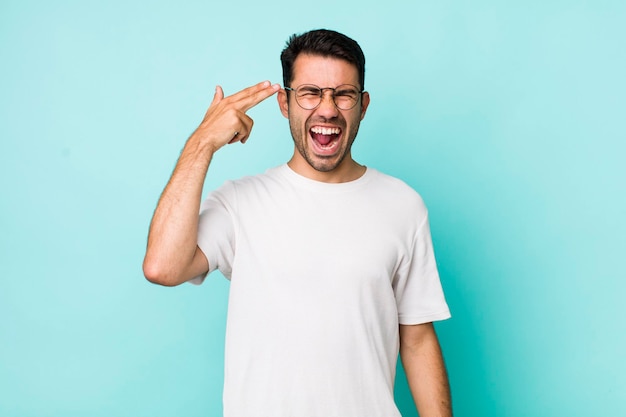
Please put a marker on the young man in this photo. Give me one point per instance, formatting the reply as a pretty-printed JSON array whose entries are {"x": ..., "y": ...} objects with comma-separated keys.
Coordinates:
[{"x": 331, "y": 263}]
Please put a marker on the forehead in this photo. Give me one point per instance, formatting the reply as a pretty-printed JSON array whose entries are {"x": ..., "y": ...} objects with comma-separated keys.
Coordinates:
[{"x": 323, "y": 71}]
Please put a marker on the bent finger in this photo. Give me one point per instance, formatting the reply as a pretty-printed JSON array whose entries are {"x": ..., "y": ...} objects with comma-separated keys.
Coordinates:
[
  {"x": 244, "y": 130},
  {"x": 237, "y": 137}
]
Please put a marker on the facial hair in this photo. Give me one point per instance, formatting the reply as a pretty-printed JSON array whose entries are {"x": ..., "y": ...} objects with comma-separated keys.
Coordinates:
[{"x": 323, "y": 163}]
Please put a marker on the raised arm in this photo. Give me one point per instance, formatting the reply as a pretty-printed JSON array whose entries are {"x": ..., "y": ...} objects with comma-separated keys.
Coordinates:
[
  {"x": 172, "y": 255},
  {"x": 425, "y": 370}
]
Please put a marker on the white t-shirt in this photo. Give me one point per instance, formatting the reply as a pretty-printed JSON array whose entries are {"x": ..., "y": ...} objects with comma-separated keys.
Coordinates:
[{"x": 321, "y": 277}]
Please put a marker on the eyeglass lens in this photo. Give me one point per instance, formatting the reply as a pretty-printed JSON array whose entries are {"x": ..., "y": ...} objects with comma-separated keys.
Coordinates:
[{"x": 310, "y": 96}]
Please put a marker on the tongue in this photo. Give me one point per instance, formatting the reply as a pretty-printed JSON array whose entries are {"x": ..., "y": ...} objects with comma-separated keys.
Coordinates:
[{"x": 323, "y": 139}]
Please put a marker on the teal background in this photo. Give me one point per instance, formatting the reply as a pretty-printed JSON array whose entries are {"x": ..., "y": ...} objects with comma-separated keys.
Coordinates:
[{"x": 508, "y": 118}]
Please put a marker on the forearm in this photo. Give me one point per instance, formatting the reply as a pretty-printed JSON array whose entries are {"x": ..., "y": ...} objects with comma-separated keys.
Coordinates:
[
  {"x": 425, "y": 370},
  {"x": 172, "y": 240}
]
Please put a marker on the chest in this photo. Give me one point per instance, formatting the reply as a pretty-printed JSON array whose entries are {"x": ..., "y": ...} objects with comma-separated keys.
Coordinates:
[{"x": 339, "y": 242}]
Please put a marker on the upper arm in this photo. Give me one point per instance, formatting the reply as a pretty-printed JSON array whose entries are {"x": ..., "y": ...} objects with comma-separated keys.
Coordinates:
[
  {"x": 198, "y": 267},
  {"x": 425, "y": 369},
  {"x": 414, "y": 336}
]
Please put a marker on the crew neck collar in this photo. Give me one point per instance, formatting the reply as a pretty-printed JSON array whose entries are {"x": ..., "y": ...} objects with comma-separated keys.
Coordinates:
[{"x": 303, "y": 181}]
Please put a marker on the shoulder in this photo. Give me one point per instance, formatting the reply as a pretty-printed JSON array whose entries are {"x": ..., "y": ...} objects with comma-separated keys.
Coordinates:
[
  {"x": 261, "y": 181},
  {"x": 232, "y": 190},
  {"x": 394, "y": 189}
]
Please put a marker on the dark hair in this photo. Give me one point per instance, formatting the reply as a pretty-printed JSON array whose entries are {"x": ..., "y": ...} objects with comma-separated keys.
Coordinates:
[{"x": 326, "y": 43}]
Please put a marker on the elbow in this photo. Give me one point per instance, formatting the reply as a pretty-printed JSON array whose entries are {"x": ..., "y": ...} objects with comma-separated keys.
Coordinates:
[{"x": 157, "y": 274}]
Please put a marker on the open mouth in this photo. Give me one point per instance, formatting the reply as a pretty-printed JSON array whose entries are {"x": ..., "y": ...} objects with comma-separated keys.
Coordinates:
[{"x": 325, "y": 139}]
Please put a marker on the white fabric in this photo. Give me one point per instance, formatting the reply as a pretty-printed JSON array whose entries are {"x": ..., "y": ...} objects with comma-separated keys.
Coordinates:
[{"x": 321, "y": 276}]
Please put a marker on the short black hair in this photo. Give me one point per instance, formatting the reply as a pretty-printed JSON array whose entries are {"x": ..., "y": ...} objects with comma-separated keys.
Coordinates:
[{"x": 322, "y": 42}]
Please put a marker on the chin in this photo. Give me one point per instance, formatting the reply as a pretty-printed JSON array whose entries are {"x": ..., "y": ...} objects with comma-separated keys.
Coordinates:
[{"x": 325, "y": 164}]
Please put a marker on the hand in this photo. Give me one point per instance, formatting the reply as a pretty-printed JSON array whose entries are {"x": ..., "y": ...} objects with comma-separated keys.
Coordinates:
[{"x": 226, "y": 120}]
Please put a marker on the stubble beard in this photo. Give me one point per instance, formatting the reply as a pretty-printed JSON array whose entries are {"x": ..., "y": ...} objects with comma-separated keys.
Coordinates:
[{"x": 321, "y": 163}]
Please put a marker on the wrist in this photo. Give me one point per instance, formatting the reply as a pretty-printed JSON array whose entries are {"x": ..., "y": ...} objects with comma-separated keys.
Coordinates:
[{"x": 201, "y": 147}]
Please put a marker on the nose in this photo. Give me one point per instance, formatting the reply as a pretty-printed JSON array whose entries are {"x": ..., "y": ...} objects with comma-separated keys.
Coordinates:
[{"x": 327, "y": 107}]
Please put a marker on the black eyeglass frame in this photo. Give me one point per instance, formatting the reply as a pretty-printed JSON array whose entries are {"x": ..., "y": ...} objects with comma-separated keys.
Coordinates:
[{"x": 321, "y": 95}]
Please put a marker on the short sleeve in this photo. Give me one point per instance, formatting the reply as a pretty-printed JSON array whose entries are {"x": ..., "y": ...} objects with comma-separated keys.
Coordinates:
[
  {"x": 417, "y": 287},
  {"x": 216, "y": 231}
]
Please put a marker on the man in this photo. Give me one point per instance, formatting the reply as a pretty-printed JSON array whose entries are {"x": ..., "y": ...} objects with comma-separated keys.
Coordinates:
[{"x": 331, "y": 263}]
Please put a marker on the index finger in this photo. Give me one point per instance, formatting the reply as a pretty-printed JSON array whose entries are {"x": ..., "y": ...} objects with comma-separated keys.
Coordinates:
[{"x": 252, "y": 96}]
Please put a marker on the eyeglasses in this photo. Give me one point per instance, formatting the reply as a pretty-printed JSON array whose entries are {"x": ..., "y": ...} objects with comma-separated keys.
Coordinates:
[{"x": 309, "y": 96}]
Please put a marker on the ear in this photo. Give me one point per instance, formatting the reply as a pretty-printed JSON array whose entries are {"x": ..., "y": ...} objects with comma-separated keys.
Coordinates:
[
  {"x": 283, "y": 102},
  {"x": 365, "y": 101}
]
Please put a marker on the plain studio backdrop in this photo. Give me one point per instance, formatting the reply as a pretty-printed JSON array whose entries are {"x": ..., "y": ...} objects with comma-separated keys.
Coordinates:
[{"x": 507, "y": 117}]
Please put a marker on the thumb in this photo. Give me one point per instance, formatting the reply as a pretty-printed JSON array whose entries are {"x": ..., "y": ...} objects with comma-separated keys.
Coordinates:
[{"x": 219, "y": 95}]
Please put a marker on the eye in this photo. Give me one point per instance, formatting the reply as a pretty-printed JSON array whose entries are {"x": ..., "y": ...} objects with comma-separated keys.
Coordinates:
[
  {"x": 309, "y": 91},
  {"x": 347, "y": 93}
]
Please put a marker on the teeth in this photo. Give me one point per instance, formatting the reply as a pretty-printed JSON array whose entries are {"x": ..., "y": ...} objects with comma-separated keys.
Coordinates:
[{"x": 325, "y": 130}]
